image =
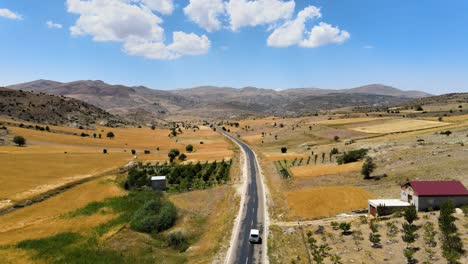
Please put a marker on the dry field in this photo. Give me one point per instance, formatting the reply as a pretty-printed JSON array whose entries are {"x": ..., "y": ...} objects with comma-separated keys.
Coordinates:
[
  {"x": 345, "y": 121},
  {"x": 287, "y": 244},
  {"x": 53, "y": 159},
  {"x": 325, "y": 169},
  {"x": 45, "y": 218},
  {"x": 310, "y": 203},
  {"x": 399, "y": 125}
]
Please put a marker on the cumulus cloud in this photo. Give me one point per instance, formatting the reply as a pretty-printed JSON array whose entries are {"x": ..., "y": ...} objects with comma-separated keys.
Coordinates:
[
  {"x": 324, "y": 34},
  {"x": 260, "y": 12},
  {"x": 133, "y": 23},
  {"x": 293, "y": 32},
  {"x": 183, "y": 44},
  {"x": 6, "y": 13},
  {"x": 206, "y": 13},
  {"x": 165, "y": 7},
  {"x": 51, "y": 24}
]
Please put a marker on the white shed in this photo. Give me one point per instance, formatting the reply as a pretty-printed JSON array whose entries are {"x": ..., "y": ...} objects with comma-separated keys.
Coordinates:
[
  {"x": 390, "y": 204},
  {"x": 158, "y": 183}
]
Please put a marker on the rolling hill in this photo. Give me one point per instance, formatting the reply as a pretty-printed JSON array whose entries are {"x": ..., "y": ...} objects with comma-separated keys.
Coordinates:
[
  {"x": 54, "y": 110},
  {"x": 144, "y": 104}
]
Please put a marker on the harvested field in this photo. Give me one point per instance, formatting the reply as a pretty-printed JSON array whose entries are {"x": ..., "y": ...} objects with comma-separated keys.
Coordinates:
[
  {"x": 399, "y": 125},
  {"x": 45, "y": 218},
  {"x": 346, "y": 121},
  {"x": 36, "y": 173},
  {"x": 325, "y": 169},
  {"x": 325, "y": 201}
]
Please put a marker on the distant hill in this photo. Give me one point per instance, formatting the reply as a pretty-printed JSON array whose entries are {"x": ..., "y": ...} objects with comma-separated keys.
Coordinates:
[
  {"x": 144, "y": 104},
  {"x": 439, "y": 99},
  {"x": 54, "y": 110}
]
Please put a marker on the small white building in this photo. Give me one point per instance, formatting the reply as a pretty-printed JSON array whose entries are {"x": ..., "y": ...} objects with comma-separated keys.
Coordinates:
[
  {"x": 390, "y": 205},
  {"x": 158, "y": 183}
]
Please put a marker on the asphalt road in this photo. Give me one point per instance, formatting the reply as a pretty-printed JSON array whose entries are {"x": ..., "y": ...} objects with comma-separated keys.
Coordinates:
[{"x": 253, "y": 214}]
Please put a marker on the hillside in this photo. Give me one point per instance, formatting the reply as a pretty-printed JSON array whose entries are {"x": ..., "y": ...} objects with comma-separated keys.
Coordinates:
[
  {"x": 145, "y": 105},
  {"x": 53, "y": 110},
  {"x": 452, "y": 98}
]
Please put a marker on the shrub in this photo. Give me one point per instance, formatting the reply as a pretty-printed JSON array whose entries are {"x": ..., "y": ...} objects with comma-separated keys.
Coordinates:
[
  {"x": 336, "y": 138},
  {"x": 19, "y": 140},
  {"x": 284, "y": 149},
  {"x": 177, "y": 240},
  {"x": 345, "y": 227},
  {"x": 368, "y": 167},
  {"x": 104, "y": 151},
  {"x": 189, "y": 148},
  {"x": 154, "y": 216},
  {"x": 352, "y": 156},
  {"x": 147, "y": 151},
  {"x": 110, "y": 135},
  {"x": 182, "y": 157}
]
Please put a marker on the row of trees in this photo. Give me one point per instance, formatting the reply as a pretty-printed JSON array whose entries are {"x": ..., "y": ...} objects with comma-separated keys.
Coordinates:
[{"x": 180, "y": 177}]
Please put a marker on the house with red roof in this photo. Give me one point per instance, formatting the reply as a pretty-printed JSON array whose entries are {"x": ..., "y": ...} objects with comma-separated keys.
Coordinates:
[{"x": 427, "y": 195}]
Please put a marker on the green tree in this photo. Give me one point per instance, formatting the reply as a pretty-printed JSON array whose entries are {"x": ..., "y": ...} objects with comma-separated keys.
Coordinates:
[
  {"x": 110, "y": 135},
  {"x": 409, "y": 234},
  {"x": 182, "y": 157},
  {"x": 173, "y": 153},
  {"x": 284, "y": 149},
  {"x": 19, "y": 140},
  {"x": 345, "y": 227},
  {"x": 374, "y": 238},
  {"x": 409, "y": 253},
  {"x": 368, "y": 167},
  {"x": 189, "y": 148},
  {"x": 411, "y": 214}
]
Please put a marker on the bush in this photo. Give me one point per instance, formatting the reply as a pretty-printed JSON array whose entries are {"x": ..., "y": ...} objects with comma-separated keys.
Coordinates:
[
  {"x": 189, "y": 148},
  {"x": 368, "y": 167},
  {"x": 133, "y": 152},
  {"x": 352, "y": 156},
  {"x": 19, "y": 140},
  {"x": 336, "y": 138},
  {"x": 177, "y": 240},
  {"x": 284, "y": 149},
  {"x": 110, "y": 135},
  {"x": 154, "y": 216},
  {"x": 104, "y": 151},
  {"x": 182, "y": 157},
  {"x": 147, "y": 151}
]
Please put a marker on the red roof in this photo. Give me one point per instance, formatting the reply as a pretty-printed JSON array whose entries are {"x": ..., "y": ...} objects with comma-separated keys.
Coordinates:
[{"x": 439, "y": 188}]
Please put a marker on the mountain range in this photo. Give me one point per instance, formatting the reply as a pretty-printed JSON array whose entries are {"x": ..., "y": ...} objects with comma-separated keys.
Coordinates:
[{"x": 142, "y": 104}]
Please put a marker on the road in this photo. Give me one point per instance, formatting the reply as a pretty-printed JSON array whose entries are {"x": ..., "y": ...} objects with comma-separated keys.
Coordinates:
[{"x": 252, "y": 214}]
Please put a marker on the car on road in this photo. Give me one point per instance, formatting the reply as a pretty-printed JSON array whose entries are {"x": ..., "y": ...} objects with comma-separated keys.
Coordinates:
[{"x": 254, "y": 236}]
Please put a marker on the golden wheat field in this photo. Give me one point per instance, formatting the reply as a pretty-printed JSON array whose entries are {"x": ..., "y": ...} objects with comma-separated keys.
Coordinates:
[
  {"x": 53, "y": 159},
  {"x": 46, "y": 218},
  {"x": 317, "y": 202},
  {"x": 399, "y": 125},
  {"x": 324, "y": 169},
  {"x": 346, "y": 121}
]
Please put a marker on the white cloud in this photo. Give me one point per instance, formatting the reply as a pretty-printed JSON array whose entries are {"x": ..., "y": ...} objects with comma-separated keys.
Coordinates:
[
  {"x": 6, "y": 13},
  {"x": 206, "y": 13},
  {"x": 253, "y": 13},
  {"x": 165, "y": 7},
  {"x": 183, "y": 44},
  {"x": 51, "y": 24},
  {"x": 368, "y": 47},
  {"x": 133, "y": 23},
  {"x": 324, "y": 34},
  {"x": 292, "y": 32}
]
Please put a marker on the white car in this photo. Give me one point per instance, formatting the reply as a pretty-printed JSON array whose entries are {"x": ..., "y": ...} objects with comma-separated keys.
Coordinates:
[{"x": 254, "y": 236}]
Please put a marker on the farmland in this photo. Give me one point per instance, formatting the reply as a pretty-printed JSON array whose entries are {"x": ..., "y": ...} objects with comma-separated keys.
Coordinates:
[{"x": 62, "y": 157}]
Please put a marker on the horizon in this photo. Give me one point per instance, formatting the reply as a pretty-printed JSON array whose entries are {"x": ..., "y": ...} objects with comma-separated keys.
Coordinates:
[
  {"x": 172, "y": 45},
  {"x": 221, "y": 87}
]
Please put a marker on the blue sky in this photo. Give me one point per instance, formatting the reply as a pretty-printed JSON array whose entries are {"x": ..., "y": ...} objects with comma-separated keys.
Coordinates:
[{"x": 342, "y": 44}]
